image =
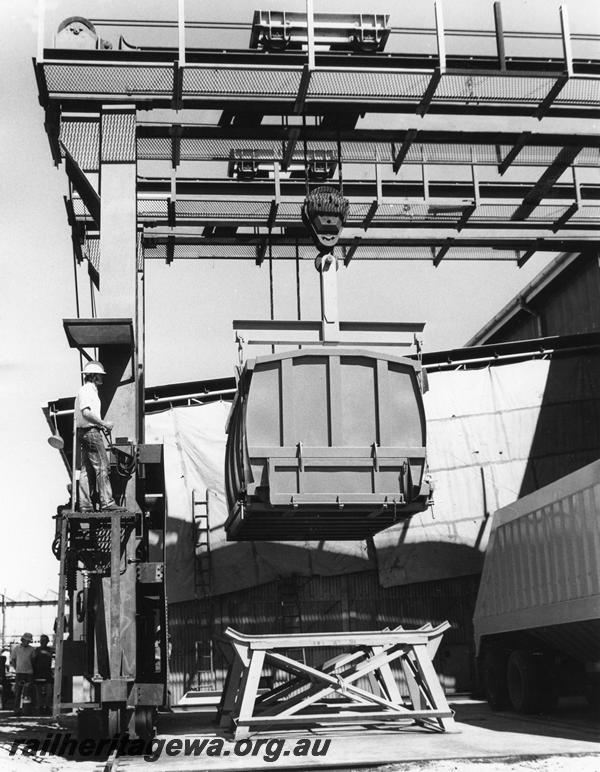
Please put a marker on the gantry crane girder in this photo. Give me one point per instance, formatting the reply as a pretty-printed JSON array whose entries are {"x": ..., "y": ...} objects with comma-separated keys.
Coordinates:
[{"x": 318, "y": 104}]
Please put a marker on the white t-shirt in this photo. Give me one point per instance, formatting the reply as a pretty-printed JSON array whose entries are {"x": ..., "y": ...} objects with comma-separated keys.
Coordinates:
[{"x": 87, "y": 396}]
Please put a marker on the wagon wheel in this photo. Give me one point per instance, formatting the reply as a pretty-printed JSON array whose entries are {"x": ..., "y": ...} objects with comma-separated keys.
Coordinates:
[{"x": 144, "y": 720}]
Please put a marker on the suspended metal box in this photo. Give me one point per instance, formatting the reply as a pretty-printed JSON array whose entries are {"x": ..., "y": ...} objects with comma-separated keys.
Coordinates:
[{"x": 325, "y": 444}]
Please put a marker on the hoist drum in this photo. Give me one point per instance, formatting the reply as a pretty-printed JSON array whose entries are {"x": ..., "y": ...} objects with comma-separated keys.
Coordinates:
[{"x": 324, "y": 444}]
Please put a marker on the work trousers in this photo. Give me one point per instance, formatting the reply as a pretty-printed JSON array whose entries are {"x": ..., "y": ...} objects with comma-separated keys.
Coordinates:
[
  {"x": 94, "y": 483},
  {"x": 23, "y": 692},
  {"x": 43, "y": 695}
]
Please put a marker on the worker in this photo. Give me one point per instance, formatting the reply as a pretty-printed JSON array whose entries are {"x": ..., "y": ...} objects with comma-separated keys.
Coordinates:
[
  {"x": 42, "y": 676},
  {"x": 94, "y": 482},
  {"x": 4, "y": 658},
  {"x": 21, "y": 658}
]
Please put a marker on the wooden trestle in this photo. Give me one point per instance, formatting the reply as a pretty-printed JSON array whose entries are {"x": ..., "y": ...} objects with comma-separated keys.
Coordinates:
[{"x": 330, "y": 693}]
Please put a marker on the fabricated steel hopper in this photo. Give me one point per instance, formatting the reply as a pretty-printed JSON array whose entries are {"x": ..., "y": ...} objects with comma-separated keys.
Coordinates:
[{"x": 325, "y": 444}]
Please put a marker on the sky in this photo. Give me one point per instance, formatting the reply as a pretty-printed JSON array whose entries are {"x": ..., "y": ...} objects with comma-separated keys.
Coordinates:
[{"x": 190, "y": 304}]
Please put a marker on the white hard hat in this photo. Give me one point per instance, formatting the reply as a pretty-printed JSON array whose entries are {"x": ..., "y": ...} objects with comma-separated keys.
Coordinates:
[{"x": 93, "y": 367}]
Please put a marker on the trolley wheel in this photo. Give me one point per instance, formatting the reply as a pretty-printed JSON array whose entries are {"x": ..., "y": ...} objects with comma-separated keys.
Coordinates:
[
  {"x": 81, "y": 605},
  {"x": 114, "y": 722},
  {"x": 144, "y": 722},
  {"x": 56, "y": 546},
  {"x": 493, "y": 676},
  {"x": 530, "y": 683}
]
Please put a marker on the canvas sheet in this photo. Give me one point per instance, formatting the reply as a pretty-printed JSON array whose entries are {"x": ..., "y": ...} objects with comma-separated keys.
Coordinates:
[{"x": 480, "y": 426}]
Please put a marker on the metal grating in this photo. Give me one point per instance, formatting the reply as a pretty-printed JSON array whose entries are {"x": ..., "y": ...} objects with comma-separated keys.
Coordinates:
[
  {"x": 367, "y": 84},
  {"x": 549, "y": 212},
  {"x": 364, "y": 151},
  {"x": 492, "y": 88},
  {"x": 90, "y": 79},
  {"x": 118, "y": 137},
  {"x": 148, "y": 207},
  {"x": 91, "y": 250},
  {"x": 588, "y": 215},
  {"x": 82, "y": 140},
  {"x": 122, "y": 80},
  {"x": 139, "y": 251},
  {"x": 193, "y": 252},
  {"x": 545, "y": 155},
  {"x": 223, "y": 209},
  {"x": 215, "y": 149},
  {"x": 154, "y": 149},
  {"x": 79, "y": 209},
  {"x": 290, "y": 211},
  {"x": 583, "y": 91},
  {"x": 240, "y": 81}
]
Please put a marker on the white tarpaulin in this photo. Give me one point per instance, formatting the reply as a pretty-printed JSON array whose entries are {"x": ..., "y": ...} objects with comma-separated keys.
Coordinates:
[
  {"x": 194, "y": 452},
  {"x": 480, "y": 427}
]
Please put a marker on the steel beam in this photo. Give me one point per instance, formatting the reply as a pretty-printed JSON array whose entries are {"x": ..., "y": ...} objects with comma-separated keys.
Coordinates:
[
  {"x": 175, "y": 131},
  {"x": 439, "y": 255},
  {"x": 426, "y": 99},
  {"x": 469, "y": 130},
  {"x": 520, "y": 143},
  {"x": 411, "y": 135},
  {"x": 566, "y": 40},
  {"x": 330, "y": 320},
  {"x": 261, "y": 251},
  {"x": 561, "y": 163},
  {"x": 83, "y": 186},
  {"x": 118, "y": 298},
  {"x": 548, "y": 101},
  {"x": 564, "y": 218},
  {"x": 302, "y": 89},
  {"x": 575, "y": 206},
  {"x": 440, "y": 189},
  {"x": 292, "y": 138},
  {"x": 378, "y": 201},
  {"x": 526, "y": 255},
  {"x": 435, "y": 236},
  {"x": 492, "y": 239},
  {"x": 75, "y": 229},
  {"x": 349, "y": 251},
  {"x": 499, "y": 35}
]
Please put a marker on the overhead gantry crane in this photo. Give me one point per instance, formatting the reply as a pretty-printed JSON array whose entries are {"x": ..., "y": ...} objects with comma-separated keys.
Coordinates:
[{"x": 314, "y": 96}]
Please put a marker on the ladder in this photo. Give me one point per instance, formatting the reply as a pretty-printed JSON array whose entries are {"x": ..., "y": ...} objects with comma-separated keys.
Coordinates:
[
  {"x": 288, "y": 603},
  {"x": 201, "y": 524},
  {"x": 204, "y": 654}
]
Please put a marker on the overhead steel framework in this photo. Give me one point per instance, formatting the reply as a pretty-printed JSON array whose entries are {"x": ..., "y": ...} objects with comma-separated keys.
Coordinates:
[{"x": 496, "y": 162}]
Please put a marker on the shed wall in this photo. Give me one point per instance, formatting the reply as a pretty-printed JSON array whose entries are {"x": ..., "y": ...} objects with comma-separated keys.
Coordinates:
[
  {"x": 321, "y": 603},
  {"x": 568, "y": 306}
]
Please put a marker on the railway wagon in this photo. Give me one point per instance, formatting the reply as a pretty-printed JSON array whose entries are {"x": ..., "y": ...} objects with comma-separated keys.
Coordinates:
[
  {"x": 325, "y": 443},
  {"x": 537, "y": 616}
]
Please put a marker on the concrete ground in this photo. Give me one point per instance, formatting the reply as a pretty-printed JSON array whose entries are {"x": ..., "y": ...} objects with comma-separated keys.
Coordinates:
[{"x": 567, "y": 741}]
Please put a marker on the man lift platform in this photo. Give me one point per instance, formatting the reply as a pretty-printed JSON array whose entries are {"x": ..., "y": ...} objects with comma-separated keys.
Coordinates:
[{"x": 111, "y": 627}]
